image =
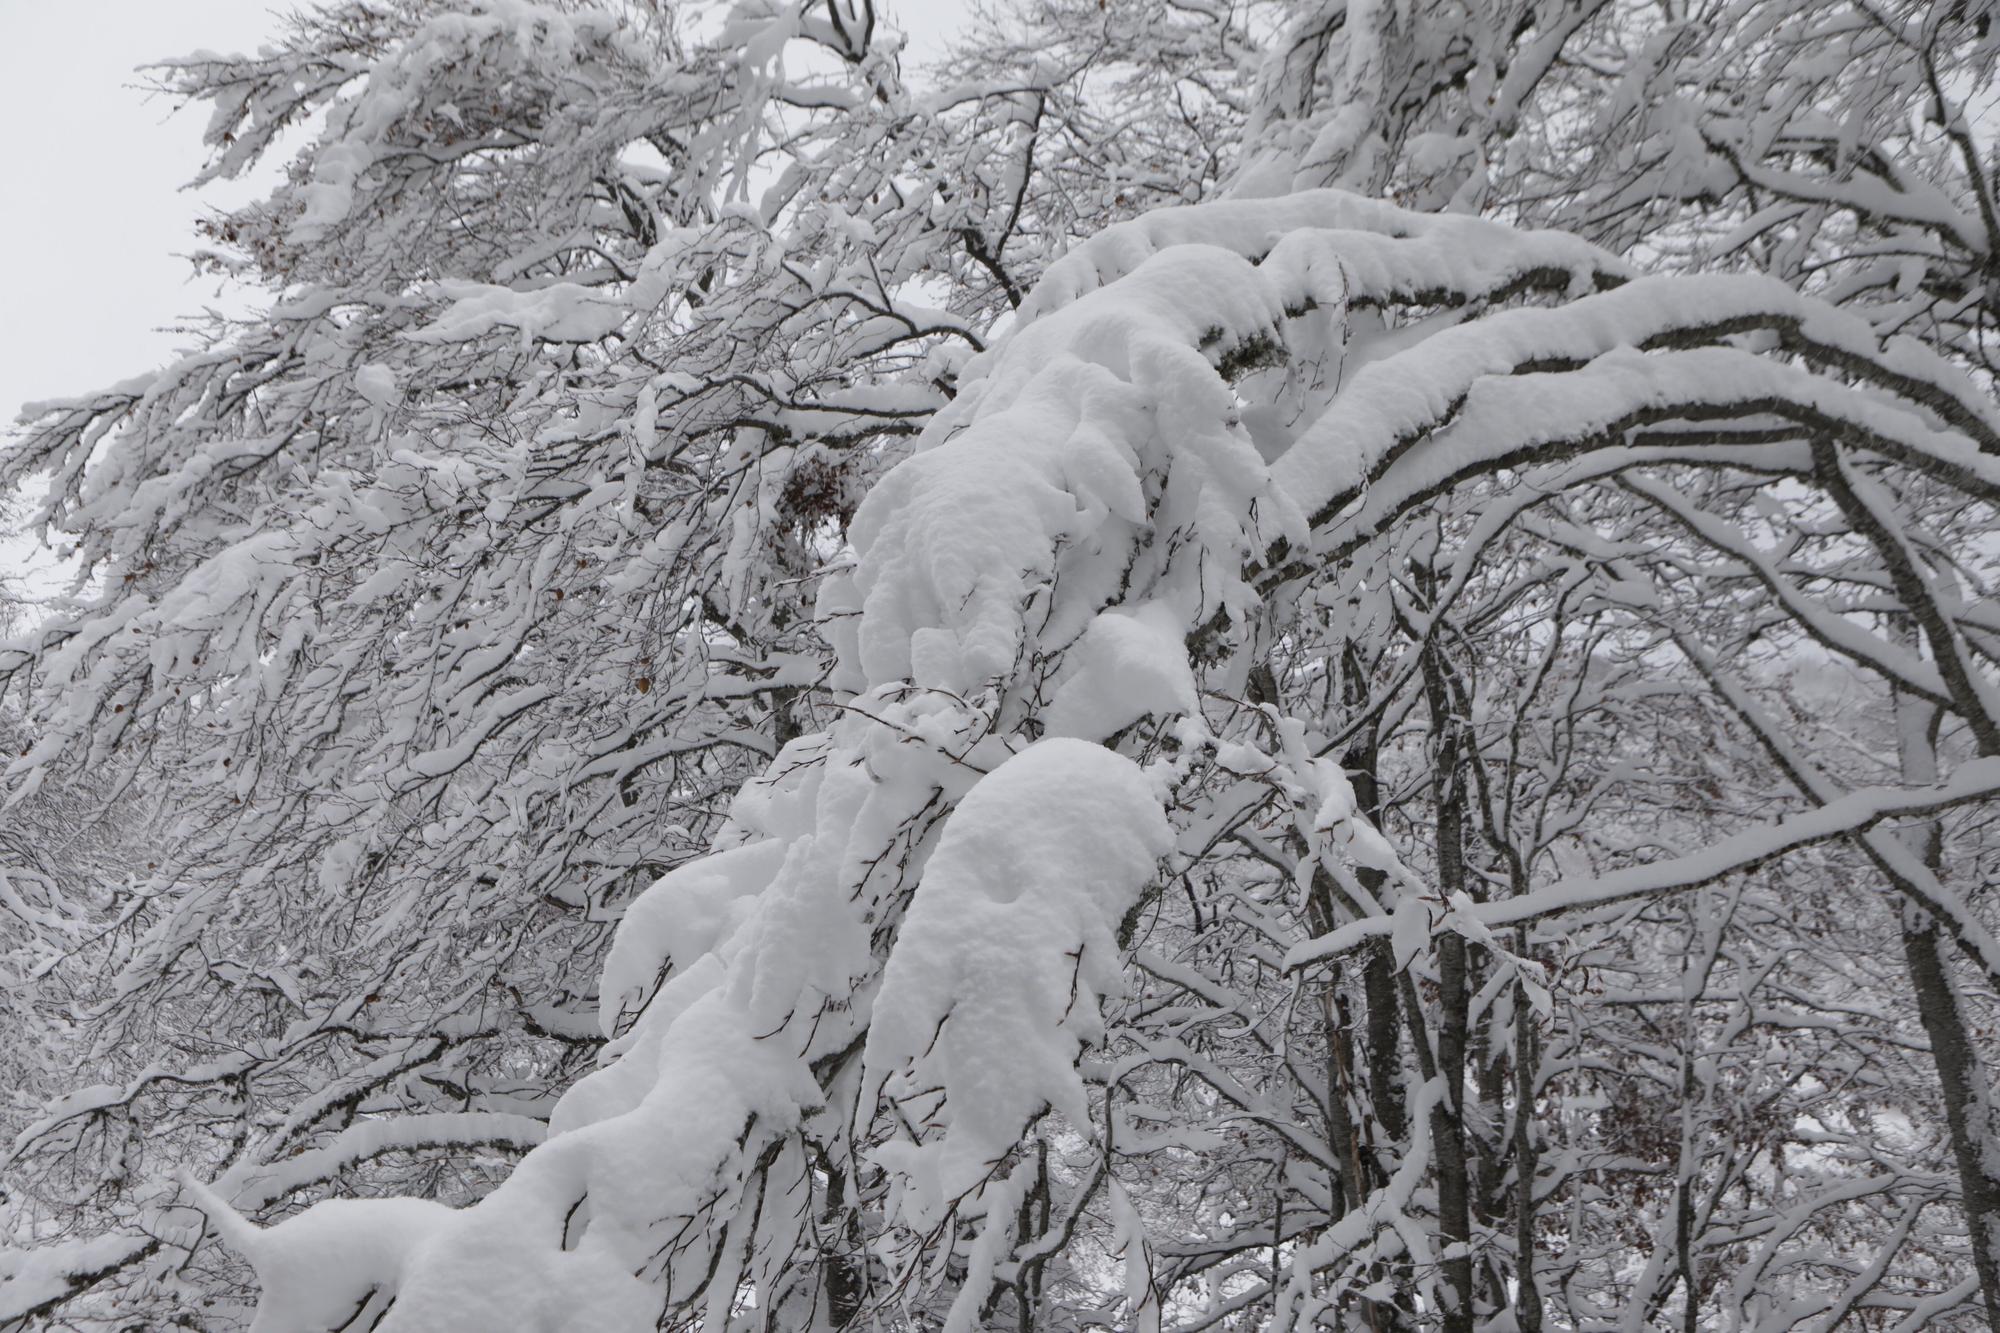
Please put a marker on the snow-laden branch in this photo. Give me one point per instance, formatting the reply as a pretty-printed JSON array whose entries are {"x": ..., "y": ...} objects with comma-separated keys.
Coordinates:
[{"x": 1855, "y": 812}]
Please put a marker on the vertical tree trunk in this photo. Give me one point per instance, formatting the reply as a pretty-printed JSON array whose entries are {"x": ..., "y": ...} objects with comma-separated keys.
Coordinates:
[
  {"x": 1382, "y": 1037},
  {"x": 1967, "y": 1103},
  {"x": 1528, "y": 1294},
  {"x": 1383, "y": 1125},
  {"x": 1688, "y": 1164},
  {"x": 1448, "y": 1120},
  {"x": 1962, "y": 1075},
  {"x": 1351, "y": 1183}
]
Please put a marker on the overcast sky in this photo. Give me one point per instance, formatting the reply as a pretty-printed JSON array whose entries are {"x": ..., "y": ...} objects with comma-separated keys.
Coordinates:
[{"x": 92, "y": 217}]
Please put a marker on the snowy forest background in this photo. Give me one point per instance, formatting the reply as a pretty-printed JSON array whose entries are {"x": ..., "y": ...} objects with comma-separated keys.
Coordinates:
[{"x": 1263, "y": 665}]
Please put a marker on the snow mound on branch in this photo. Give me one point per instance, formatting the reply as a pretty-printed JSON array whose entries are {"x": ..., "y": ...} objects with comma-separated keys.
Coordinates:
[
  {"x": 29, "y": 1277},
  {"x": 312, "y": 1264},
  {"x": 1387, "y": 249},
  {"x": 1388, "y": 402},
  {"x": 377, "y": 384},
  {"x": 683, "y": 916},
  {"x": 962, "y": 534},
  {"x": 1010, "y": 941},
  {"x": 1052, "y": 484},
  {"x": 1131, "y": 662},
  {"x": 562, "y": 312}
]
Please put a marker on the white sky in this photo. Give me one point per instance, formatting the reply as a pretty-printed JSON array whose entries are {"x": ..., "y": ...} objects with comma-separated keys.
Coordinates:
[{"x": 92, "y": 216}]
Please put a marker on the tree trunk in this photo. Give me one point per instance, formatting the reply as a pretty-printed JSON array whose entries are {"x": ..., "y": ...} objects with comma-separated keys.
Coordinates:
[
  {"x": 1454, "y": 1183},
  {"x": 1962, "y": 1076}
]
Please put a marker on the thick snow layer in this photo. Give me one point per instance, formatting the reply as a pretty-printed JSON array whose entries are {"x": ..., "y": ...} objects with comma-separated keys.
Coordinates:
[
  {"x": 253, "y": 1186},
  {"x": 31, "y": 1277},
  {"x": 1011, "y": 940},
  {"x": 1451, "y": 251},
  {"x": 673, "y": 924},
  {"x": 561, "y": 312},
  {"x": 1390, "y": 402},
  {"x": 1038, "y": 478},
  {"x": 319, "y": 1267},
  {"x": 1130, "y": 663},
  {"x": 377, "y": 384}
]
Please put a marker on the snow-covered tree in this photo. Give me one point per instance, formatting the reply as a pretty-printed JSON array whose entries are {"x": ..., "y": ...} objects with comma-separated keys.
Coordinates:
[
  {"x": 845, "y": 1076},
  {"x": 453, "y": 597},
  {"x": 1284, "y": 760}
]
